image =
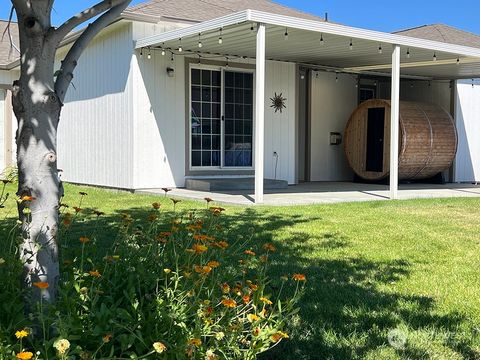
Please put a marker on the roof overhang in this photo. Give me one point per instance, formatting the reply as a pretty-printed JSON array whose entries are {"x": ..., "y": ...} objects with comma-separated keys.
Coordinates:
[{"x": 426, "y": 59}]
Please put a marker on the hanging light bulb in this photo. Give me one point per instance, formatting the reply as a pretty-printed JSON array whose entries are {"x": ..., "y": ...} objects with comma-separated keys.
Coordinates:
[
  {"x": 336, "y": 78},
  {"x": 163, "y": 52},
  {"x": 286, "y": 33},
  {"x": 149, "y": 56},
  {"x": 220, "y": 39},
  {"x": 172, "y": 58},
  {"x": 458, "y": 61},
  {"x": 199, "y": 41},
  {"x": 322, "y": 42},
  {"x": 141, "y": 52},
  {"x": 226, "y": 65},
  {"x": 434, "y": 56},
  {"x": 199, "y": 59},
  {"x": 380, "y": 50},
  {"x": 408, "y": 53},
  {"x": 180, "y": 48},
  {"x": 473, "y": 83},
  {"x": 351, "y": 44}
]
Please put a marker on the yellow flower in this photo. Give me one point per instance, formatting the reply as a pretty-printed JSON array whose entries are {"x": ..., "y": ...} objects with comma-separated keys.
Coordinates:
[
  {"x": 299, "y": 277},
  {"x": 229, "y": 303},
  {"x": 252, "y": 318},
  {"x": 269, "y": 247},
  {"x": 199, "y": 248},
  {"x": 202, "y": 269},
  {"x": 167, "y": 271},
  {"x": 195, "y": 342},
  {"x": 95, "y": 273},
  {"x": 279, "y": 336},
  {"x": 159, "y": 347},
  {"x": 220, "y": 335},
  {"x": 27, "y": 355},
  {"x": 21, "y": 334},
  {"x": 225, "y": 288},
  {"x": 42, "y": 285},
  {"x": 62, "y": 346},
  {"x": 210, "y": 355},
  {"x": 265, "y": 301},
  {"x": 213, "y": 264}
]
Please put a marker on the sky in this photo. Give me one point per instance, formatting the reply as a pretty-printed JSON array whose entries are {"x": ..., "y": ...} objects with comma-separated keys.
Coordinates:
[{"x": 381, "y": 15}]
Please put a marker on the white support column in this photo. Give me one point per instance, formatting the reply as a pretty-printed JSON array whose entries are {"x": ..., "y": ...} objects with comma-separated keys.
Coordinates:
[
  {"x": 259, "y": 113},
  {"x": 394, "y": 122}
]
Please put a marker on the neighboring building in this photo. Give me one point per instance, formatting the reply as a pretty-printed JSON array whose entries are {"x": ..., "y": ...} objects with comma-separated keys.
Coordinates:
[{"x": 151, "y": 108}]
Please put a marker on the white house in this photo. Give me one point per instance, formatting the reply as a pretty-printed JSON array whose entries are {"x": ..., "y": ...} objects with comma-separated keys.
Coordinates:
[{"x": 183, "y": 89}]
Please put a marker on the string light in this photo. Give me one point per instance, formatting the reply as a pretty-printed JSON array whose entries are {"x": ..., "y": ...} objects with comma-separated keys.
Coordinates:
[
  {"x": 380, "y": 50},
  {"x": 336, "y": 77},
  {"x": 408, "y": 53},
  {"x": 220, "y": 39},
  {"x": 199, "y": 59},
  {"x": 199, "y": 41},
  {"x": 286, "y": 33},
  {"x": 172, "y": 58},
  {"x": 322, "y": 42},
  {"x": 149, "y": 56},
  {"x": 351, "y": 44},
  {"x": 458, "y": 61},
  {"x": 227, "y": 64},
  {"x": 141, "y": 52},
  {"x": 180, "y": 48},
  {"x": 434, "y": 56},
  {"x": 163, "y": 52}
]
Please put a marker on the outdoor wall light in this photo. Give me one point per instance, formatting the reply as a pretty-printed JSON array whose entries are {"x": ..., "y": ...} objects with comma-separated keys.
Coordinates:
[
  {"x": 335, "y": 138},
  {"x": 170, "y": 72}
]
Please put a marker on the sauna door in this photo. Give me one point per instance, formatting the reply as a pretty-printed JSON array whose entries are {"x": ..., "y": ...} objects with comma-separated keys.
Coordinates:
[{"x": 375, "y": 136}]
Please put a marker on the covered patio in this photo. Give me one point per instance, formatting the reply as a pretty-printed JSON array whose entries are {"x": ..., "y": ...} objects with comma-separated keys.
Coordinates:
[{"x": 328, "y": 47}]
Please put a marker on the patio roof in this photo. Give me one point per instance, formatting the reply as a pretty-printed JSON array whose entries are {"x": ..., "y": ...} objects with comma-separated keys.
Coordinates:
[{"x": 370, "y": 52}]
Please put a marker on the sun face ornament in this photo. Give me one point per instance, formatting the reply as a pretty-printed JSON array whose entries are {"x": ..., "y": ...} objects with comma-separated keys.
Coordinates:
[{"x": 278, "y": 102}]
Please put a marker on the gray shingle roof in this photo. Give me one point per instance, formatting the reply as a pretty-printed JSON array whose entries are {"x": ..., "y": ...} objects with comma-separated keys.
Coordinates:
[
  {"x": 7, "y": 53},
  {"x": 443, "y": 33},
  {"x": 201, "y": 10}
]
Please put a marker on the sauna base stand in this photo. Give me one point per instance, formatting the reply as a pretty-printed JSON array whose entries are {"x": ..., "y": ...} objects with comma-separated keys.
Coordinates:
[{"x": 437, "y": 179}]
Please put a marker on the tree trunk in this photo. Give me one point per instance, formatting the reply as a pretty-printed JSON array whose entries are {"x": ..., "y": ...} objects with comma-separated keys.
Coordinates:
[{"x": 37, "y": 108}]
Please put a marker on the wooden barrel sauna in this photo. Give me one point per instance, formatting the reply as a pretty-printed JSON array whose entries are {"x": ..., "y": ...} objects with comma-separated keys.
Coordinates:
[{"x": 427, "y": 140}]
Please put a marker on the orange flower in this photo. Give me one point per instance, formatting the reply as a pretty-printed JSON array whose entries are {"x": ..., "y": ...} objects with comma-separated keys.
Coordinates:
[
  {"x": 195, "y": 342},
  {"x": 24, "y": 355},
  {"x": 199, "y": 248},
  {"x": 84, "y": 239},
  {"x": 156, "y": 205},
  {"x": 229, "y": 303},
  {"x": 107, "y": 337},
  {"x": 193, "y": 227},
  {"x": 27, "y": 198},
  {"x": 252, "y": 286},
  {"x": 77, "y": 209},
  {"x": 278, "y": 336},
  {"x": 299, "y": 277},
  {"x": 202, "y": 269},
  {"x": 95, "y": 273},
  {"x": 265, "y": 300},
  {"x": 225, "y": 288},
  {"x": 246, "y": 299},
  {"x": 213, "y": 264},
  {"x": 42, "y": 285},
  {"x": 269, "y": 247},
  {"x": 249, "y": 252}
]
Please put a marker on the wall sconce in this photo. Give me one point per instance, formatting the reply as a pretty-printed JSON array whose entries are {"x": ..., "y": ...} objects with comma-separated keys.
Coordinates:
[
  {"x": 170, "y": 72},
  {"x": 335, "y": 138}
]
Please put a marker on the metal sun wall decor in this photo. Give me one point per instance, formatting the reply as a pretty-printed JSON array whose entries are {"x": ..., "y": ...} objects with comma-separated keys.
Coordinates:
[{"x": 278, "y": 102}]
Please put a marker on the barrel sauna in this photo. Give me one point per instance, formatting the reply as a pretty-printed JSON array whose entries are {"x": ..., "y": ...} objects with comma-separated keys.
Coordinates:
[{"x": 427, "y": 140}]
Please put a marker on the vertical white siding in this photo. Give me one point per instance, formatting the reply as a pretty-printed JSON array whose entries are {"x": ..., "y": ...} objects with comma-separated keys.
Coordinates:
[
  {"x": 467, "y": 115},
  {"x": 280, "y": 127},
  {"x": 95, "y": 135},
  {"x": 331, "y": 106},
  {"x": 436, "y": 92},
  {"x": 2, "y": 129},
  {"x": 7, "y": 77}
]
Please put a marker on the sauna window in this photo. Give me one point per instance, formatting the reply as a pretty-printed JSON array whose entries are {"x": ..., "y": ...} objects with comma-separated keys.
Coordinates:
[
  {"x": 375, "y": 136},
  {"x": 367, "y": 93}
]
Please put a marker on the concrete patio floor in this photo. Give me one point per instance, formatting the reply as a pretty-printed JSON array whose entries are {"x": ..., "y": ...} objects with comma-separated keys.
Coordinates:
[{"x": 328, "y": 193}]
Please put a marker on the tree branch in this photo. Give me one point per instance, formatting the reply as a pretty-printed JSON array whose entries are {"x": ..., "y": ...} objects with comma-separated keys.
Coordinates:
[
  {"x": 22, "y": 7},
  {"x": 65, "y": 74},
  {"x": 83, "y": 16}
]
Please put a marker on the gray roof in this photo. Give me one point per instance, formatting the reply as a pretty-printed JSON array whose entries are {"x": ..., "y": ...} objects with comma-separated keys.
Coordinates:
[
  {"x": 443, "y": 33},
  {"x": 201, "y": 10},
  {"x": 7, "y": 53}
]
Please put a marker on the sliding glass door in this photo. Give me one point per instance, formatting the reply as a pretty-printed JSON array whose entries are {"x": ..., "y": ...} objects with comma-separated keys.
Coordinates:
[{"x": 221, "y": 119}]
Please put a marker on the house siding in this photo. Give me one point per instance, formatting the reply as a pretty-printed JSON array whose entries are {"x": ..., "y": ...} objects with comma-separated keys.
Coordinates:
[
  {"x": 467, "y": 115},
  {"x": 95, "y": 134}
]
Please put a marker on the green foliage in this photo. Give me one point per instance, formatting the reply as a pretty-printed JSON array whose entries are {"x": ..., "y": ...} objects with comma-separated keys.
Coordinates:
[{"x": 166, "y": 284}]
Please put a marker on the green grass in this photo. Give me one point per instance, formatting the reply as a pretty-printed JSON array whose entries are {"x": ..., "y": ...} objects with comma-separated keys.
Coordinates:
[{"x": 374, "y": 267}]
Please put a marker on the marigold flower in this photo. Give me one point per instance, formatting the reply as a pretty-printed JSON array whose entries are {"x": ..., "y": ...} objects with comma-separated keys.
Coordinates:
[
  {"x": 221, "y": 244},
  {"x": 107, "y": 337},
  {"x": 195, "y": 342},
  {"x": 252, "y": 318},
  {"x": 42, "y": 285},
  {"x": 27, "y": 198},
  {"x": 84, "y": 239},
  {"x": 229, "y": 303},
  {"x": 62, "y": 346},
  {"x": 202, "y": 269},
  {"x": 269, "y": 247},
  {"x": 199, "y": 248},
  {"x": 252, "y": 286},
  {"x": 213, "y": 264},
  {"x": 225, "y": 288},
  {"x": 20, "y": 334},
  {"x": 249, "y": 252},
  {"x": 265, "y": 300},
  {"x": 24, "y": 355},
  {"x": 278, "y": 336},
  {"x": 246, "y": 299},
  {"x": 95, "y": 273},
  {"x": 299, "y": 277},
  {"x": 216, "y": 209},
  {"x": 156, "y": 205},
  {"x": 159, "y": 347}
]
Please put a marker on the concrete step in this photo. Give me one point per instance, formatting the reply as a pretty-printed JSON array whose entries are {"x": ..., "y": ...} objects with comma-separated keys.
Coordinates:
[{"x": 229, "y": 184}]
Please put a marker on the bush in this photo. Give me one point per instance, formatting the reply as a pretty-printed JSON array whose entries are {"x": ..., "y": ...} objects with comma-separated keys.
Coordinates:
[{"x": 172, "y": 285}]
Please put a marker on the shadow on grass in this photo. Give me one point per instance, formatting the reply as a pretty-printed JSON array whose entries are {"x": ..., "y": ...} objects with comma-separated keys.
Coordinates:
[{"x": 347, "y": 310}]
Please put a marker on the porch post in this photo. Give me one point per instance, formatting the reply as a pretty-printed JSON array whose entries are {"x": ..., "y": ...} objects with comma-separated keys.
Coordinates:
[
  {"x": 394, "y": 122},
  {"x": 260, "y": 113}
]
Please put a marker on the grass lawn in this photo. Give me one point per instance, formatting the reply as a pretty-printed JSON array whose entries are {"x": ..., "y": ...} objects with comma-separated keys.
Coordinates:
[{"x": 408, "y": 269}]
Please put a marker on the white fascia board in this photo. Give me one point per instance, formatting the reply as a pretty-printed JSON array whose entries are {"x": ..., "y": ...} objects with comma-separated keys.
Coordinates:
[
  {"x": 232, "y": 19},
  {"x": 358, "y": 33}
]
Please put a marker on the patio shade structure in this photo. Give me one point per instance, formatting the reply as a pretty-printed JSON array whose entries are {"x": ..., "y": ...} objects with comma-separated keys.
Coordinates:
[{"x": 323, "y": 46}]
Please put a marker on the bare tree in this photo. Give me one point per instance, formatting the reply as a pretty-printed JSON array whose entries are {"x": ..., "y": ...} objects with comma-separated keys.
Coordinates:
[{"x": 38, "y": 98}]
